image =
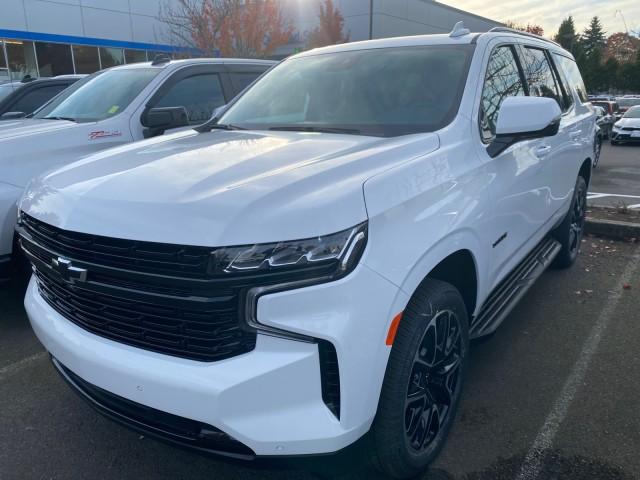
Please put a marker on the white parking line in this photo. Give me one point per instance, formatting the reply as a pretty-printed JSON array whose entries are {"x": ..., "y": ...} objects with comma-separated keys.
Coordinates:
[
  {"x": 544, "y": 440},
  {"x": 9, "y": 370},
  {"x": 599, "y": 195}
]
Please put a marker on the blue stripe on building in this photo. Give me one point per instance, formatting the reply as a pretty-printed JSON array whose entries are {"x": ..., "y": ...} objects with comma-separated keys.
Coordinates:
[{"x": 94, "y": 42}]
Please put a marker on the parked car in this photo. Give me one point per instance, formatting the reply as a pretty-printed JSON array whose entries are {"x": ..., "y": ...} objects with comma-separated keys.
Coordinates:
[
  {"x": 110, "y": 108},
  {"x": 310, "y": 266},
  {"x": 20, "y": 99},
  {"x": 627, "y": 129},
  {"x": 604, "y": 121},
  {"x": 610, "y": 107}
]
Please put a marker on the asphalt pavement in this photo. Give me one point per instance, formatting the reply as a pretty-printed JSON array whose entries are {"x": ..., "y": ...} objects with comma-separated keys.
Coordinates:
[
  {"x": 616, "y": 180},
  {"x": 553, "y": 394}
]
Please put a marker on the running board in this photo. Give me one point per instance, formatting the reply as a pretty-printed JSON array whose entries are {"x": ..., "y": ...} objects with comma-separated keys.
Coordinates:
[{"x": 511, "y": 290}]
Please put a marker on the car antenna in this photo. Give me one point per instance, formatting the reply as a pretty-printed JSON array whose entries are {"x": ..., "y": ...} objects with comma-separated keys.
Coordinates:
[
  {"x": 459, "y": 30},
  {"x": 160, "y": 59}
]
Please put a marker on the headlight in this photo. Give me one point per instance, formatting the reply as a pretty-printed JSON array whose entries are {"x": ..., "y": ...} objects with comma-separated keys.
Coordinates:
[{"x": 336, "y": 254}]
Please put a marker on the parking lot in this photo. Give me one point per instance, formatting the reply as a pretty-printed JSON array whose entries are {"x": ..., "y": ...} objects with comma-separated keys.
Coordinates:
[
  {"x": 552, "y": 395},
  {"x": 617, "y": 179}
]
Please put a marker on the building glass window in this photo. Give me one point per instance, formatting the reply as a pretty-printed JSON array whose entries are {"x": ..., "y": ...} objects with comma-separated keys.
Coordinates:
[
  {"x": 54, "y": 59},
  {"x": 21, "y": 58},
  {"x": 4, "y": 70},
  {"x": 135, "y": 56},
  {"x": 86, "y": 59},
  {"x": 110, "y": 57}
]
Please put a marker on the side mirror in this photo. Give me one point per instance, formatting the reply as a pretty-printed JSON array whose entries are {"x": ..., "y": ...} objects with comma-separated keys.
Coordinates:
[
  {"x": 157, "y": 120},
  {"x": 524, "y": 118},
  {"x": 12, "y": 115}
]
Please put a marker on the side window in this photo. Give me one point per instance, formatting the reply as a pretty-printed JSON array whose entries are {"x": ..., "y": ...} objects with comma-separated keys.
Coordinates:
[
  {"x": 501, "y": 81},
  {"x": 199, "y": 94},
  {"x": 36, "y": 98},
  {"x": 572, "y": 73},
  {"x": 539, "y": 75},
  {"x": 242, "y": 80}
]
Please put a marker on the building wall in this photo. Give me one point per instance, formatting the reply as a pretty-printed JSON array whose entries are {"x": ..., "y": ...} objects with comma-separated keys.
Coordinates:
[
  {"x": 124, "y": 20},
  {"x": 104, "y": 33}
]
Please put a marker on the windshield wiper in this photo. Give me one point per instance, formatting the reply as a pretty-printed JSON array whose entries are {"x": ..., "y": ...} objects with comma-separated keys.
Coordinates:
[
  {"x": 61, "y": 118},
  {"x": 219, "y": 126},
  {"x": 308, "y": 128}
]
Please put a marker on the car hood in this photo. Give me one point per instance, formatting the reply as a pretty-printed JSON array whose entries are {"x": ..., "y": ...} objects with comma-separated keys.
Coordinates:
[
  {"x": 628, "y": 122},
  {"x": 220, "y": 188},
  {"x": 31, "y": 126}
]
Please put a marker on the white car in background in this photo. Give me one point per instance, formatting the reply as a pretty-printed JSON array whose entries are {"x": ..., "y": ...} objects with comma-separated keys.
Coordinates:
[
  {"x": 110, "y": 108},
  {"x": 627, "y": 129}
]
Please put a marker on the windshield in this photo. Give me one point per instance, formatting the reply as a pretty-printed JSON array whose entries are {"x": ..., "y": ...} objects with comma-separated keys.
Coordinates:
[
  {"x": 381, "y": 92},
  {"x": 99, "y": 96},
  {"x": 633, "y": 112}
]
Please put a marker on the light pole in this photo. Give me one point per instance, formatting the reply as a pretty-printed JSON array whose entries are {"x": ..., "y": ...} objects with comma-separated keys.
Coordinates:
[
  {"x": 370, "y": 19},
  {"x": 626, "y": 29}
]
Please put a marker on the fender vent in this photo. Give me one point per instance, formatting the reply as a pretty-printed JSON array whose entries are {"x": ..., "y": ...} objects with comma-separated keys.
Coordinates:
[{"x": 329, "y": 376}]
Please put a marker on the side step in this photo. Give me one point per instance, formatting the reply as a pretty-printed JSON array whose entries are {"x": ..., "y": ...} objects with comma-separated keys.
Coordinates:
[{"x": 511, "y": 290}]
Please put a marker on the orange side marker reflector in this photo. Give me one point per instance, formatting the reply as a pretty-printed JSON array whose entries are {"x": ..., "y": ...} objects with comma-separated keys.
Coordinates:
[{"x": 393, "y": 329}]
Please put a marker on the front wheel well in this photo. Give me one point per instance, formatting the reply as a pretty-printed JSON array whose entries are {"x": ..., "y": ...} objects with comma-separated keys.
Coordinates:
[
  {"x": 585, "y": 170},
  {"x": 459, "y": 270}
]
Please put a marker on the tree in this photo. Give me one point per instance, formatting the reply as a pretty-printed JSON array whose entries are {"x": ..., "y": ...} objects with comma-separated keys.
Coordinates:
[
  {"x": 330, "y": 29},
  {"x": 255, "y": 29},
  {"x": 241, "y": 28},
  {"x": 622, "y": 46},
  {"x": 196, "y": 23},
  {"x": 529, "y": 27},
  {"x": 593, "y": 37},
  {"x": 567, "y": 36}
]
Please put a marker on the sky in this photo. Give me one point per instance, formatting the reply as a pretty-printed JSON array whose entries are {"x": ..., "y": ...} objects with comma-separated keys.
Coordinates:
[{"x": 549, "y": 13}]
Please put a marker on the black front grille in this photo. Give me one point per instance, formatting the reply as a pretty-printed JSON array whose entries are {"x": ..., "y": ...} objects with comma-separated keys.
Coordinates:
[
  {"x": 149, "y": 295},
  {"x": 166, "y": 426}
]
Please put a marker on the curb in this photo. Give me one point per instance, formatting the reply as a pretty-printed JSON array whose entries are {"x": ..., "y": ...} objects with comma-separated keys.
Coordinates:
[{"x": 612, "y": 229}]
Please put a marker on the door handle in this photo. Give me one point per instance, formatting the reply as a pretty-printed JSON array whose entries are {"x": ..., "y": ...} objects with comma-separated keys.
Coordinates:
[{"x": 542, "y": 152}]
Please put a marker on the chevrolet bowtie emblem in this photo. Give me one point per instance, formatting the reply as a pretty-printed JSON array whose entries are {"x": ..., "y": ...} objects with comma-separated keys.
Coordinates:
[{"x": 67, "y": 271}]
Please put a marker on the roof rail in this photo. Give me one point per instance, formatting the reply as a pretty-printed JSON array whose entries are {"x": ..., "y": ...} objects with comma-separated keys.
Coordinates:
[{"x": 526, "y": 34}]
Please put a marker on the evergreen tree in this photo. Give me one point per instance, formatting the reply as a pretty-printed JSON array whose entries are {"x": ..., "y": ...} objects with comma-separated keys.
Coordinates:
[
  {"x": 593, "y": 37},
  {"x": 567, "y": 36}
]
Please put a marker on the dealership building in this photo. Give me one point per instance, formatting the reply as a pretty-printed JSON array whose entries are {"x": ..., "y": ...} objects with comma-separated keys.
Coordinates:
[{"x": 54, "y": 37}]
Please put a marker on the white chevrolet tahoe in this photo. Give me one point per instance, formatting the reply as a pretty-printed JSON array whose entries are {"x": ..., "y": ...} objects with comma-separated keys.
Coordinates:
[
  {"x": 109, "y": 108},
  {"x": 307, "y": 270}
]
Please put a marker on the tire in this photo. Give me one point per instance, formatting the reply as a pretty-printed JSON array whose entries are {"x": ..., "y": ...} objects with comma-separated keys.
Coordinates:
[
  {"x": 407, "y": 434},
  {"x": 571, "y": 230}
]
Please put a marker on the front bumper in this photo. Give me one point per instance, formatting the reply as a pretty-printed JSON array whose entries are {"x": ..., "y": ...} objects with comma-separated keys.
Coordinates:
[
  {"x": 269, "y": 399},
  {"x": 623, "y": 136}
]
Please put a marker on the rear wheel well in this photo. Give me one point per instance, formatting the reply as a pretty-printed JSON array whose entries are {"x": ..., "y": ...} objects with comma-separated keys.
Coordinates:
[{"x": 459, "y": 270}]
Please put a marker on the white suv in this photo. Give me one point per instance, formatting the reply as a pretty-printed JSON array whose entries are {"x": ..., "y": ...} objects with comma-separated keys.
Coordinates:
[
  {"x": 307, "y": 270},
  {"x": 109, "y": 108}
]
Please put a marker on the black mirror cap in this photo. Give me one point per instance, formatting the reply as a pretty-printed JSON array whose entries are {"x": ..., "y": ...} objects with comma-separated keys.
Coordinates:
[
  {"x": 12, "y": 115},
  {"x": 164, "y": 118},
  {"x": 502, "y": 142}
]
